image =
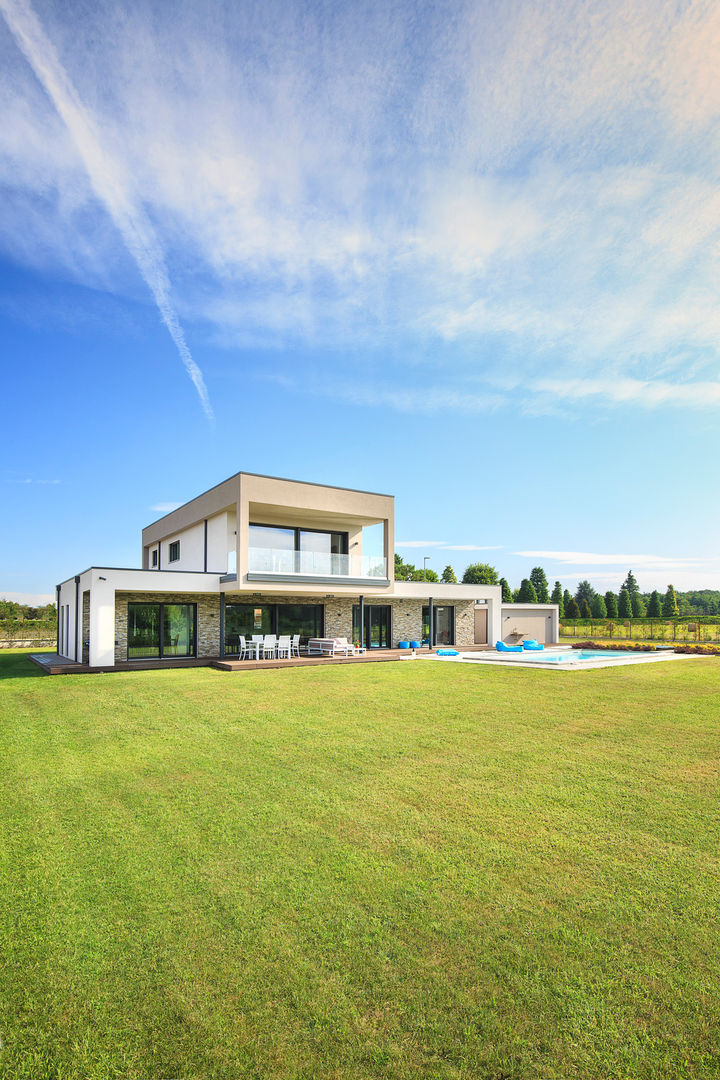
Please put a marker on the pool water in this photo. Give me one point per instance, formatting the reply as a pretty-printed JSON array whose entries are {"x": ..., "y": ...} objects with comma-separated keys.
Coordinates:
[
  {"x": 587, "y": 654},
  {"x": 561, "y": 656}
]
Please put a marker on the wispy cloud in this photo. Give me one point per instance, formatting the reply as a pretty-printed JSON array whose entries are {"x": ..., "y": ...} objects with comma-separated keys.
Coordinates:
[
  {"x": 631, "y": 561},
  {"x": 165, "y": 507},
  {"x": 445, "y": 546},
  {"x": 30, "y": 480},
  {"x": 557, "y": 243},
  {"x": 420, "y": 543},
  {"x": 474, "y": 547},
  {"x": 106, "y": 173}
]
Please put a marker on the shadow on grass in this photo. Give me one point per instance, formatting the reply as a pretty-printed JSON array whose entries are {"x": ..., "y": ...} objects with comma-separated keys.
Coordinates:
[{"x": 16, "y": 664}]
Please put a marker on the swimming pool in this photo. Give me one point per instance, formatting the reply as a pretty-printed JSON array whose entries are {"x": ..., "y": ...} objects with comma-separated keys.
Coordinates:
[
  {"x": 550, "y": 656},
  {"x": 562, "y": 658}
]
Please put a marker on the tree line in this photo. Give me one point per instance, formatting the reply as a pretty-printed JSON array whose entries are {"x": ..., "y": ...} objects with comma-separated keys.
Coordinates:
[
  {"x": 10, "y": 611},
  {"x": 586, "y": 603}
]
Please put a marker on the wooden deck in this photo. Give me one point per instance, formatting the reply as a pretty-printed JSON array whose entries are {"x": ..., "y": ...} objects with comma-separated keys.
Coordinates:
[{"x": 52, "y": 664}]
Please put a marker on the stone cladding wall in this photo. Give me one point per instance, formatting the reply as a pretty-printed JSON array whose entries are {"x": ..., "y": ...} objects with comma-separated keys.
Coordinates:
[
  {"x": 406, "y": 616},
  {"x": 406, "y": 619},
  {"x": 465, "y": 622},
  {"x": 208, "y": 619}
]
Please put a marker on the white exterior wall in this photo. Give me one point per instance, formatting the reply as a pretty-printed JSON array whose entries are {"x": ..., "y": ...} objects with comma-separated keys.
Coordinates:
[
  {"x": 217, "y": 544},
  {"x": 103, "y": 583},
  {"x": 68, "y": 625},
  {"x": 192, "y": 549},
  {"x": 525, "y": 618}
]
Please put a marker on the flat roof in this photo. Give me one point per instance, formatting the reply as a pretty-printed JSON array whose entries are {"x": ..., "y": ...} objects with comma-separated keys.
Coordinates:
[{"x": 266, "y": 476}]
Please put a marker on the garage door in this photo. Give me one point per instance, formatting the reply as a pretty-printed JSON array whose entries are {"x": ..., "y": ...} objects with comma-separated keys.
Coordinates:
[{"x": 528, "y": 624}]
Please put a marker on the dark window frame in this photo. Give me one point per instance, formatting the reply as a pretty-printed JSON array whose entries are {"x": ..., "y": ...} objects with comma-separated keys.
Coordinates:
[
  {"x": 161, "y": 618},
  {"x": 154, "y": 558},
  {"x": 174, "y": 551}
]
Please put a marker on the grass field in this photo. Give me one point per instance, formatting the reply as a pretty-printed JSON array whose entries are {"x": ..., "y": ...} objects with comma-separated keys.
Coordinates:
[{"x": 384, "y": 870}]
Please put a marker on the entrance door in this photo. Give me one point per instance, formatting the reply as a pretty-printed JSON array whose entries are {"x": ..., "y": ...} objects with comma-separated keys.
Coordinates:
[
  {"x": 481, "y": 626},
  {"x": 378, "y": 627}
]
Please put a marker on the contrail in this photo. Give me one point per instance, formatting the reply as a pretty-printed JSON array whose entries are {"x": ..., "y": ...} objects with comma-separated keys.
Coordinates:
[{"x": 104, "y": 174}]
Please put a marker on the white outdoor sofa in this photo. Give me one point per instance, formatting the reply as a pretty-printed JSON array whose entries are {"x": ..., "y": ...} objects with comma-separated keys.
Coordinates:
[{"x": 332, "y": 646}]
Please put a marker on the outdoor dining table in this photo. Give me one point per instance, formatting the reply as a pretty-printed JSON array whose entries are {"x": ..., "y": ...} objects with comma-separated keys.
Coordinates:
[{"x": 254, "y": 649}]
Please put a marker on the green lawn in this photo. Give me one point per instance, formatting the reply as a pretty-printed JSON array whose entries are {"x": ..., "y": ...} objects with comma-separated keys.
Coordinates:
[{"x": 408, "y": 870}]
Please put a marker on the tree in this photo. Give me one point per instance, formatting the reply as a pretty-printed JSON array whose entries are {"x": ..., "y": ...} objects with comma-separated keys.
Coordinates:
[
  {"x": 638, "y": 605},
  {"x": 557, "y": 598},
  {"x": 670, "y": 604},
  {"x": 585, "y": 612},
  {"x": 448, "y": 576},
  {"x": 572, "y": 611},
  {"x": 584, "y": 591},
  {"x": 630, "y": 584},
  {"x": 540, "y": 583},
  {"x": 515, "y": 595},
  {"x": 654, "y": 608},
  {"x": 567, "y": 597},
  {"x": 424, "y": 575},
  {"x": 403, "y": 571},
  {"x": 506, "y": 591},
  {"x": 480, "y": 574},
  {"x": 611, "y": 605},
  {"x": 624, "y": 605},
  {"x": 526, "y": 593},
  {"x": 598, "y": 608}
]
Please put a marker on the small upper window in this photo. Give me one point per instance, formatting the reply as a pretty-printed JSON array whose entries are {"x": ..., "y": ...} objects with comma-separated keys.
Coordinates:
[
  {"x": 154, "y": 557},
  {"x": 174, "y": 551}
]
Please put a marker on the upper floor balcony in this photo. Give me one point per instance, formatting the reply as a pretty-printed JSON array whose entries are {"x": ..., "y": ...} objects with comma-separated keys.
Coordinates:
[{"x": 286, "y": 563}]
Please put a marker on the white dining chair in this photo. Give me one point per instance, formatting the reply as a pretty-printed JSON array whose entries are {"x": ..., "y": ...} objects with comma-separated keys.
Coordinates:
[
  {"x": 295, "y": 645},
  {"x": 283, "y": 646},
  {"x": 242, "y": 647},
  {"x": 269, "y": 646}
]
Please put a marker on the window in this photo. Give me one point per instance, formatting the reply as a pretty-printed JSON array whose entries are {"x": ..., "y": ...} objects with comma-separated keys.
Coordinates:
[
  {"x": 161, "y": 630},
  {"x": 444, "y": 629},
  {"x": 174, "y": 551},
  {"x": 289, "y": 550},
  {"x": 154, "y": 557}
]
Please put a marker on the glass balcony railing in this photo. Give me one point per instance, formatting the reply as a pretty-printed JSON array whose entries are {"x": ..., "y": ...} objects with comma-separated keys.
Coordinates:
[{"x": 314, "y": 563}]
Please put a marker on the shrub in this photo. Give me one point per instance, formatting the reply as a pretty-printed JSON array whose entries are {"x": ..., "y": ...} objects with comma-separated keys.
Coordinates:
[{"x": 627, "y": 646}]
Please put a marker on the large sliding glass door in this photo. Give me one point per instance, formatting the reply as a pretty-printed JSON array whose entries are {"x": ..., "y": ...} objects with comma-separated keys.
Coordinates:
[
  {"x": 288, "y": 550},
  {"x": 444, "y": 624},
  {"x": 161, "y": 630},
  {"x": 377, "y": 631},
  {"x": 247, "y": 619}
]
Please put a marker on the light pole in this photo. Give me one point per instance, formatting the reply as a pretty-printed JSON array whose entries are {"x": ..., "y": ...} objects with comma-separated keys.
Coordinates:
[{"x": 425, "y": 562}]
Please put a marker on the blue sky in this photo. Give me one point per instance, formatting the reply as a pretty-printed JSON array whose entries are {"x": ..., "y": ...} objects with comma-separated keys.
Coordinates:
[{"x": 462, "y": 253}]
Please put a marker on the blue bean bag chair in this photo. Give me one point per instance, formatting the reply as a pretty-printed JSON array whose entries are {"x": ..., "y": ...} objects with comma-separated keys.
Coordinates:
[
  {"x": 531, "y": 645},
  {"x": 502, "y": 647}
]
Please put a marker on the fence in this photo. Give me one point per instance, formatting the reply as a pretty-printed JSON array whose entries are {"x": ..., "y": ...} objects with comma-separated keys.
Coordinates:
[
  {"x": 695, "y": 631},
  {"x": 27, "y": 643}
]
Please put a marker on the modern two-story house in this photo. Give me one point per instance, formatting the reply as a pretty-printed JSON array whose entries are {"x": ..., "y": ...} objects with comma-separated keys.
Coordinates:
[{"x": 259, "y": 554}]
